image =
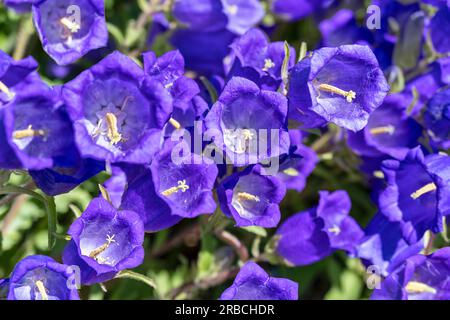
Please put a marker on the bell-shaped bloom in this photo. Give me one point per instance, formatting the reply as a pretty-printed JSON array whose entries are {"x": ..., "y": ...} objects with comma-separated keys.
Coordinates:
[
  {"x": 341, "y": 85},
  {"x": 188, "y": 105},
  {"x": 312, "y": 235},
  {"x": 342, "y": 28},
  {"x": 417, "y": 193},
  {"x": 104, "y": 241},
  {"x": 69, "y": 30},
  {"x": 236, "y": 16},
  {"x": 142, "y": 198},
  {"x": 118, "y": 111},
  {"x": 203, "y": 51},
  {"x": 252, "y": 197},
  {"x": 299, "y": 163},
  {"x": 292, "y": 10},
  {"x": 38, "y": 131},
  {"x": 383, "y": 246},
  {"x": 14, "y": 75},
  {"x": 437, "y": 118},
  {"x": 419, "y": 278},
  {"x": 57, "y": 181},
  {"x": 250, "y": 134},
  {"x": 184, "y": 182},
  {"x": 255, "y": 58},
  {"x": 440, "y": 28},
  {"x": 253, "y": 283},
  {"x": 389, "y": 131},
  {"x": 42, "y": 278}
]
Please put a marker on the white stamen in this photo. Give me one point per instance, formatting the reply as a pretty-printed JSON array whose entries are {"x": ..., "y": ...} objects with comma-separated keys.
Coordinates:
[
  {"x": 389, "y": 129},
  {"x": 268, "y": 64},
  {"x": 419, "y": 287},
  {"x": 349, "y": 95},
  {"x": 42, "y": 289},
  {"x": 181, "y": 186}
]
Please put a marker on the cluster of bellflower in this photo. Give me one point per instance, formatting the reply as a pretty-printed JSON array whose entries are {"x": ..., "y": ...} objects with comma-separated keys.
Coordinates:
[{"x": 122, "y": 116}]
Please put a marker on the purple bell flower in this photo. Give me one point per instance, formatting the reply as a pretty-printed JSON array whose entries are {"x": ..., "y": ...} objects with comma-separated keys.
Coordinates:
[
  {"x": 104, "y": 241},
  {"x": 299, "y": 164},
  {"x": 236, "y": 16},
  {"x": 389, "y": 131},
  {"x": 42, "y": 278},
  {"x": 14, "y": 75},
  {"x": 252, "y": 197},
  {"x": 255, "y": 58},
  {"x": 342, "y": 28},
  {"x": 38, "y": 131},
  {"x": 440, "y": 28},
  {"x": 69, "y": 30},
  {"x": 419, "y": 278},
  {"x": 417, "y": 192},
  {"x": 185, "y": 185},
  {"x": 118, "y": 111},
  {"x": 312, "y": 235},
  {"x": 204, "y": 52},
  {"x": 142, "y": 197},
  {"x": 292, "y": 10},
  {"x": 342, "y": 85},
  {"x": 437, "y": 118},
  {"x": 57, "y": 181},
  {"x": 252, "y": 134},
  {"x": 384, "y": 247},
  {"x": 253, "y": 283}
]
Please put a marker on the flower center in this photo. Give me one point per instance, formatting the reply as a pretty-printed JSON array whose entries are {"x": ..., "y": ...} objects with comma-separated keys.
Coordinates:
[
  {"x": 389, "y": 129},
  {"x": 6, "y": 90},
  {"x": 245, "y": 196},
  {"x": 70, "y": 27},
  {"x": 181, "y": 186},
  {"x": 42, "y": 290},
  {"x": 112, "y": 129},
  {"x": 96, "y": 252},
  {"x": 268, "y": 64},
  {"x": 28, "y": 133},
  {"x": 419, "y": 287},
  {"x": 349, "y": 95},
  {"x": 425, "y": 189},
  {"x": 335, "y": 229},
  {"x": 238, "y": 140},
  {"x": 291, "y": 172}
]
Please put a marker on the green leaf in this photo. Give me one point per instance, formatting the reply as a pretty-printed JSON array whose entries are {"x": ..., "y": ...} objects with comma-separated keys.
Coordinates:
[
  {"x": 104, "y": 193},
  {"x": 259, "y": 231},
  {"x": 116, "y": 33},
  {"x": 349, "y": 287},
  {"x": 128, "y": 274}
]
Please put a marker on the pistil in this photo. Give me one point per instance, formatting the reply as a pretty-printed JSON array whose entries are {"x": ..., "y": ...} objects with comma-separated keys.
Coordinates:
[
  {"x": 181, "y": 186},
  {"x": 175, "y": 123},
  {"x": 335, "y": 229},
  {"x": 268, "y": 64},
  {"x": 349, "y": 95},
  {"x": 96, "y": 252},
  {"x": 424, "y": 190}
]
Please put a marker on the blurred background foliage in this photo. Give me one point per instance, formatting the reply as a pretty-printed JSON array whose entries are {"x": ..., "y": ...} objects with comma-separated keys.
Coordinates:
[{"x": 187, "y": 260}]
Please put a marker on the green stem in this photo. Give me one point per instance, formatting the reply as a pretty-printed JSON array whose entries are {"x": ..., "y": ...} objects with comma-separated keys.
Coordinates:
[{"x": 128, "y": 274}]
